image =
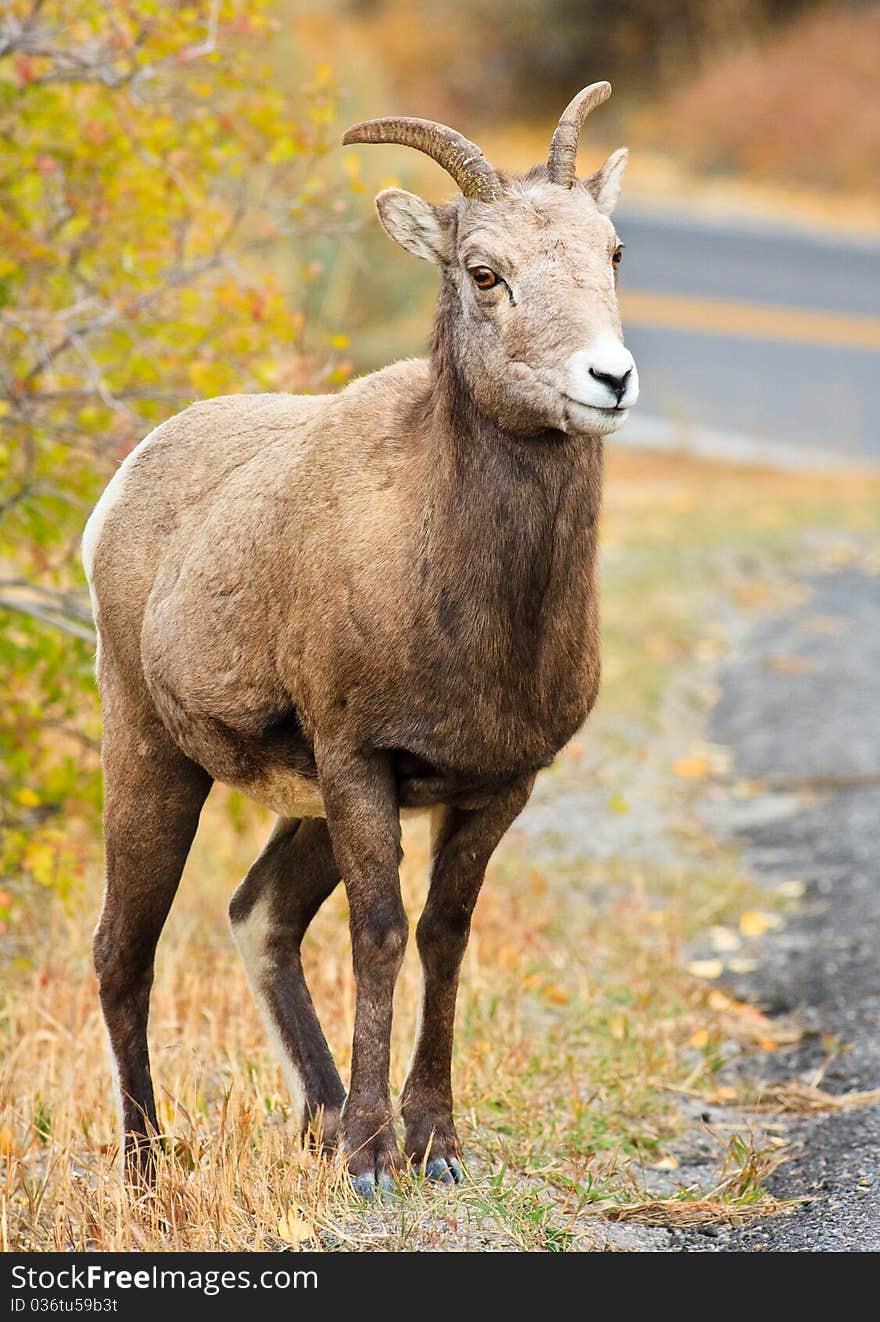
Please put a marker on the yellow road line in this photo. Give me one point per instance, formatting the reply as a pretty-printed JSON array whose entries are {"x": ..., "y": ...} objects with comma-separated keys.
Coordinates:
[{"x": 754, "y": 321}]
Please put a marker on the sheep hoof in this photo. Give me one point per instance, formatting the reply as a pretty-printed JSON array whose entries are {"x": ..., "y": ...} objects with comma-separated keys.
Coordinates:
[
  {"x": 369, "y": 1187},
  {"x": 444, "y": 1170}
]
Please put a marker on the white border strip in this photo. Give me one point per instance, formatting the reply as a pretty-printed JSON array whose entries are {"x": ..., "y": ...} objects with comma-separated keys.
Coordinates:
[{"x": 651, "y": 433}]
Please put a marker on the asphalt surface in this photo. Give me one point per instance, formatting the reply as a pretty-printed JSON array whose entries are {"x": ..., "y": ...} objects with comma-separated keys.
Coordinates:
[
  {"x": 806, "y": 384},
  {"x": 800, "y": 708}
]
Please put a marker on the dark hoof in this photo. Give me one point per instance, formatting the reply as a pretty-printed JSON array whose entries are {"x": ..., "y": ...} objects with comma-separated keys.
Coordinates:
[
  {"x": 370, "y": 1187},
  {"x": 364, "y": 1186},
  {"x": 431, "y": 1145},
  {"x": 444, "y": 1170},
  {"x": 372, "y": 1156}
]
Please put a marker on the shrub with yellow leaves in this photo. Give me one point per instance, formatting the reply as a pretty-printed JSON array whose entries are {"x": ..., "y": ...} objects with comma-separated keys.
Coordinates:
[{"x": 152, "y": 164}]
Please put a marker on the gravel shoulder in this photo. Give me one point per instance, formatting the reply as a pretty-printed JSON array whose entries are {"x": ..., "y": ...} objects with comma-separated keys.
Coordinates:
[{"x": 800, "y": 711}]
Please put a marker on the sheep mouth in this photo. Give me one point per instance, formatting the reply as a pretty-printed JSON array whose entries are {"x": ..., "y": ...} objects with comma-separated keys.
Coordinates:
[{"x": 597, "y": 408}]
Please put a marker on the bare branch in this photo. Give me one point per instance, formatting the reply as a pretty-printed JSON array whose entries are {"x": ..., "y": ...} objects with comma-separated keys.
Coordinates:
[
  {"x": 96, "y": 61},
  {"x": 14, "y": 35},
  {"x": 68, "y": 603},
  {"x": 70, "y": 732},
  {"x": 47, "y": 616}
]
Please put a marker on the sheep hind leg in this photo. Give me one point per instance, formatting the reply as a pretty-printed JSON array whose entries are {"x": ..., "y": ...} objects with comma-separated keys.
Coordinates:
[
  {"x": 153, "y": 798},
  {"x": 270, "y": 913}
]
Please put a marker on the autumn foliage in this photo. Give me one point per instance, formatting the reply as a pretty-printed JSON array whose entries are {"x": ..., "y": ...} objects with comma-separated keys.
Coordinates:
[
  {"x": 799, "y": 107},
  {"x": 157, "y": 184}
]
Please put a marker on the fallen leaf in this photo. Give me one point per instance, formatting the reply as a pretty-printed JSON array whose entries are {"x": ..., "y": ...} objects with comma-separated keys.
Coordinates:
[
  {"x": 755, "y": 922},
  {"x": 667, "y": 1163},
  {"x": 742, "y": 965},
  {"x": 617, "y": 803},
  {"x": 746, "y": 1023},
  {"x": 558, "y": 995},
  {"x": 294, "y": 1228},
  {"x": 705, "y": 968},
  {"x": 703, "y": 760},
  {"x": 723, "y": 939},
  {"x": 700, "y": 1038},
  {"x": 696, "y": 767}
]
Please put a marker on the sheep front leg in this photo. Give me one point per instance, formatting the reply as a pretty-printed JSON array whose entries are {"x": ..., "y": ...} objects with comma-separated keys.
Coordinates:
[
  {"x": 360, "y": 799},
  {"x": 464, "y": 841}
]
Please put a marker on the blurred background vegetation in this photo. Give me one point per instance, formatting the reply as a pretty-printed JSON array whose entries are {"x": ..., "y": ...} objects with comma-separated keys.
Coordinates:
[
  {"x": 783, "y": 88},
  {"x": 176, "y": 221}
]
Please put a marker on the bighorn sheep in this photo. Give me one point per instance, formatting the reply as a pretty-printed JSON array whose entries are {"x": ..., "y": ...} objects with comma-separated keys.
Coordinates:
[{"x": 347, "y": 605}]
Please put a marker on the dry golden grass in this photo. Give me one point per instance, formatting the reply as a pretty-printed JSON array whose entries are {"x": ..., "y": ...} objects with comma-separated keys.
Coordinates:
[
  {"x": 686, "y": 1214},
  {"x": 579, "y": 1025},
  {"x": 794, "y": 1097},
  {"x": 533, "y": 1075}
]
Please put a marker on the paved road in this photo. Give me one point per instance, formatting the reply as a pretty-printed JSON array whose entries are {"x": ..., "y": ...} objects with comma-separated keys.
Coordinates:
[
  {"x": 804, "y": 371},
  {"x": 816, "y": 717}
]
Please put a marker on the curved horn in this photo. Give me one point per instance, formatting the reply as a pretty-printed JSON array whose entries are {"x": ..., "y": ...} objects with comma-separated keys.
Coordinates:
[
  {"x": 458, "y": 155},
  {"x": 562, "y": 161}
]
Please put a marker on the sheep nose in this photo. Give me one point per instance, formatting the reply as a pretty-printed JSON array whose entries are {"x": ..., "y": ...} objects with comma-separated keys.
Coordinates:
[
  {"x": 602, "y": 375},
  {"x": 616, "y": 384}
]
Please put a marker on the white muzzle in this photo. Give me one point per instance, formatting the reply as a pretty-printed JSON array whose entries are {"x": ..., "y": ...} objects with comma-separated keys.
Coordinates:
[{"x": 603, "y": 376}]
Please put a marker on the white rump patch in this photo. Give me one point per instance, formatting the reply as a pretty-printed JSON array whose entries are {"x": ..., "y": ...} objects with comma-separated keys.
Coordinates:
[
  {"x": 91, "y": 537},
  {"x": 93, "y": 531}
]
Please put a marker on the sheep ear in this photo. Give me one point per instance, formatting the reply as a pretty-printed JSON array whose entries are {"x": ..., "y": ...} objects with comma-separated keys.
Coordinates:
[
  {"x": 415, "y": 224},
  {"x": 605, "y": 183}
]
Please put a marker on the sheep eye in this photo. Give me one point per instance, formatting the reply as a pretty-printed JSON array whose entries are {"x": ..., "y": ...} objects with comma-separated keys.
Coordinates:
[
  {"x": 617, "y": 255},
  {"x": 484, "y": 278}
]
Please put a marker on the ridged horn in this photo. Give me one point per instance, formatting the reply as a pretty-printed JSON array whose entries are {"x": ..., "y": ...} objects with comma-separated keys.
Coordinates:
[
  {"x": 562, "y": 161},
  {"x": 458, "y": 155}
]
